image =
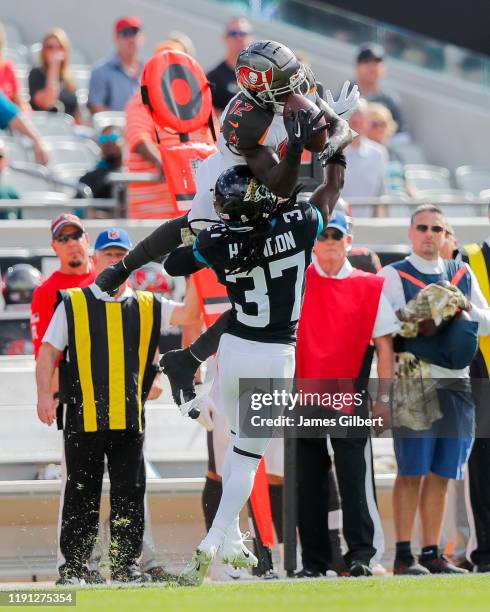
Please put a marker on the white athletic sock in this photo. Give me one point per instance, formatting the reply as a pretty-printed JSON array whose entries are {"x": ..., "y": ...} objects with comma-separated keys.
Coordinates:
[
  {"x": 236, "y": 491},
  {"x": 227, "y": 460},
  {"x": 233, "y": 532}
]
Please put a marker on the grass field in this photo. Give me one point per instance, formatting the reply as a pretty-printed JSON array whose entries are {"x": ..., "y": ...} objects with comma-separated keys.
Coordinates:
[{"x": 434, "y": 594}]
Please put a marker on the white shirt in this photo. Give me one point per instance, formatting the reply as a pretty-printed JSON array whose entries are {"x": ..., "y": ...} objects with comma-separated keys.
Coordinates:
[
  {"x": 57, "y": 332},
  {"x": 480, "y": 311},
  {"x": 386, "y": 319},
  {"x": 365, "y": 176}
]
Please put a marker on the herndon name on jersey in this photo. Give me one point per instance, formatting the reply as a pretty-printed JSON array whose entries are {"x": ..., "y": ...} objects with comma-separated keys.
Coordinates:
[
  {"x": 266, "y": 303},
  {"x": 273, "y": 245}
]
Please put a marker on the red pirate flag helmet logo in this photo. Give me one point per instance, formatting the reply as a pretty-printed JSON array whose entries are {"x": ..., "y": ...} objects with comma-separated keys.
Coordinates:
[{"x": 254, "y": 80}]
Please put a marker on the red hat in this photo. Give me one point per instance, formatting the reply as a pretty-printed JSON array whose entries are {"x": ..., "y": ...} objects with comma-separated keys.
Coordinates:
[
  {"x": 65, "y": 219},
  {"x": 127, "y": 22}
]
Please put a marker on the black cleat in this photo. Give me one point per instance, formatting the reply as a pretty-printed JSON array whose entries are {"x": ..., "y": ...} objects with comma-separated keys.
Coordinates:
[
  {"x": 463, "y": 562},
  {"x": 441, "y": 565},
  {"x": 481, "y": 568},
  {"x": 409, "y": 567},
  {"x": 306, "y": 573},
  {"x": 358, "y": 569},
  {"x": 179, "y": 368}
]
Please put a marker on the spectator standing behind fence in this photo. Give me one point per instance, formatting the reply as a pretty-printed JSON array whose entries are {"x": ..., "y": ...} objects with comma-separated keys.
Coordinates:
[
  {"x": 238, "y": 35},
  {"x": 343, "y": 312},
  {"x": 370, "y": 69},
  {"x": 367, "y": 161},
  {"x": 9, "y": 83},
  {"x": 426, "y": 462},
  {"x": 12, "y": 117},
  {"x": 113, "y": 81},
  {"x": 51, "y": 86}
]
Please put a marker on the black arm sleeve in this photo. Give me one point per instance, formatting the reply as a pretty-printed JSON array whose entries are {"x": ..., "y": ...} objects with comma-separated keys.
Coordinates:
[
  {"x": 208, "y": 342},
  {"x": 159, "y": 243},
  {"x": 181, "y": 262}
]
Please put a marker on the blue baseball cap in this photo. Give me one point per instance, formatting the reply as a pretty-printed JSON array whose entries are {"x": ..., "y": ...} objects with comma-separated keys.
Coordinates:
[
  {"x": 338, "y": 220},
  {"x": 114, "y": 236}
]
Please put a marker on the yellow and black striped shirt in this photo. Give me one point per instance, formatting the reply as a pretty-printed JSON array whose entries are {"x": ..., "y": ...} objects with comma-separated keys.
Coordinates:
[
  {"x": 478, "y": 256},
  {"x": 111, "y": 346}
]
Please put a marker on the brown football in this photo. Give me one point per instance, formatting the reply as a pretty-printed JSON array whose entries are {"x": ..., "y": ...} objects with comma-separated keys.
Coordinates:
[{"x": 295, "y": 102}]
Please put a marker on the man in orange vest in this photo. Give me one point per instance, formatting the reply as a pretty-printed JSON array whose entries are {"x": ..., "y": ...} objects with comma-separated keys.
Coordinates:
[{"x": 344, "y": 312}]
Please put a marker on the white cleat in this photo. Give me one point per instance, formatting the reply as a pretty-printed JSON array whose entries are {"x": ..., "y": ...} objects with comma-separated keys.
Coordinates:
[
  {"x": 236, "y": 554},
  {"x": 195, "y": 571}
]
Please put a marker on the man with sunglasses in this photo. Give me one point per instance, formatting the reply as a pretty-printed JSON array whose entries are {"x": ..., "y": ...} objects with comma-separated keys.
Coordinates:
[
  {"x": 113, "y": 81},
  {"x": 344, "y": 314},
  {"x": 425, "y": 464},
  {"x": 110, "y": 161},
  {"x": 70, "y": 242},
  {"x": 238, "y": 35}
]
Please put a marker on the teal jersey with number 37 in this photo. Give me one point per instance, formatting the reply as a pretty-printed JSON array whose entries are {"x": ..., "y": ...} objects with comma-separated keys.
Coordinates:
[{"x": 266, "y": 303}]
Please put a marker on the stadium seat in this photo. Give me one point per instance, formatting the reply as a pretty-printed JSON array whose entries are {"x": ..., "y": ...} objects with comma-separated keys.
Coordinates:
[
  {"x": 409, "y": 152},
  {"x": 423, "y": 177},
  {"x": 105, "y": 118},
  {"x": 70, "y": 175},
  {"x": 454, "y": 202},
  {"x": 13, "y": 34},
  {"x": 52, "y": 124},
  {"x": 47, "y": 197},
  {"x": 82, "y": 79},
  {"x": 83, "y": 153},
  {"x": 26, "y": 177},
  {"x": 78, "y": 58},
  {"x": 69, "y": 171},
  {"x": 397, "y": 205},
  {"x": 19, "y": 56},
  {"x": 18, "y": 151},
  {"x": 473, "y": 178}
]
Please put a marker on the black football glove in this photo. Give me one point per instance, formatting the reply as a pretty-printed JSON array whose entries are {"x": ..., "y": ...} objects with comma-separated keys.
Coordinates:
[
  {"x": 110, "y": 279},
  {"x": 300, "y": 129}
]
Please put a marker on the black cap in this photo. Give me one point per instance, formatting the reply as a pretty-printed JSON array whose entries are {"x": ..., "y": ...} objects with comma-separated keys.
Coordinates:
[{"x": 370, "y": 52}]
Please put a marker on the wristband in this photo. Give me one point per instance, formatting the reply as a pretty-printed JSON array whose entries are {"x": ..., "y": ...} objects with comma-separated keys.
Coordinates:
[{"x": 337, "y": 158}]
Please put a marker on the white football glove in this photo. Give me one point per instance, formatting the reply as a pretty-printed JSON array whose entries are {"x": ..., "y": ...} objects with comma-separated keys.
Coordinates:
[
  {"x": 205, "y": 406},
  {"x": 346, "y": 105}
]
